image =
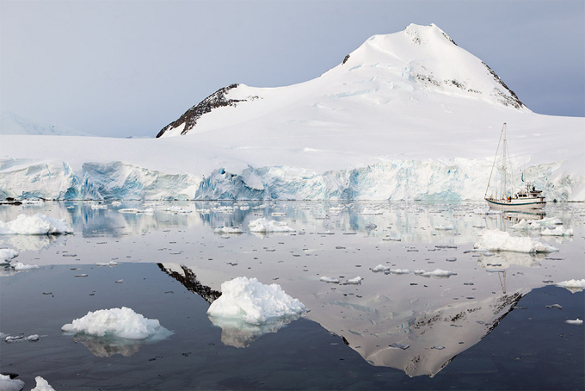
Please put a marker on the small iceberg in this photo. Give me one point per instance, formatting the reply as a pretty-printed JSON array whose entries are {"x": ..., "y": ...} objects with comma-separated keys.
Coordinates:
[
  {"x": 496, "y": 240},
  {"x": 19, "y": 266},
  {"x": 250, "y": 301},
  {"x": 435, "y": 273},
  {"x": 248, "y": 309},
  {"x": 330, "y": 280},
  {"x": 38, "y": 224},
  {"x": 574, "y": 321}
]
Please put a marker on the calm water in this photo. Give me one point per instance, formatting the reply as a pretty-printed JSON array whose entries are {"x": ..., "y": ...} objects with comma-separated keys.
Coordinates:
[{"x": 485, "y": 327}]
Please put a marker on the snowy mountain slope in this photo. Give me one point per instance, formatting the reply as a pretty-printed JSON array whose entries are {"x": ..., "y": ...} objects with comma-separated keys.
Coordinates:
[
  {"x": 11, "y": 123},
  {"x": 408, "y": 115}
]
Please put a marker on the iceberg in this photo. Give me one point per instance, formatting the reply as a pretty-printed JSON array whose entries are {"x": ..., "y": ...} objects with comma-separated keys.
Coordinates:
[
  {"x": 116, "y": 322},
  {"x": 38, "y": 224}
]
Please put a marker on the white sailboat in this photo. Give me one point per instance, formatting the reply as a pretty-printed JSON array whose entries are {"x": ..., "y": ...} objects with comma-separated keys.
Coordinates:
[{"x": 526, "y": 199}]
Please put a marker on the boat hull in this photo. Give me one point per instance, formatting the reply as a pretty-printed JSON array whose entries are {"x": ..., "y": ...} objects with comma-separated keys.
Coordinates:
[{"x": 516, "y": 204}]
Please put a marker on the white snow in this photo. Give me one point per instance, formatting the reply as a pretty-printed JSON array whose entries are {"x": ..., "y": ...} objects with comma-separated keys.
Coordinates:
[
  {"x": 263, "y": 225},
  {"x": 117, "y": 322},
  {"x": 409, "y": 116},
  {"x": 496, "y": 240},
  {"x": 248, "y": 300},
  {"x": 6, "y": 254},
  {"x": 42, "y": 385},
  {"x": 38, "y": 224}
]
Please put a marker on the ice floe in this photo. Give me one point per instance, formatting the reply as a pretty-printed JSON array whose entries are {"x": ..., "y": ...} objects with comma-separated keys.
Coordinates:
[
  {"x": 574, "y": 321},
  {"x": 435, "y": 273},
  {"x": 37, "y": 224},
  {"x": 117, "y": 322},
  {"x": 496, "y": 240},
  {"x": 19, "y": 266},
  {"x": 557, "y": 231}
]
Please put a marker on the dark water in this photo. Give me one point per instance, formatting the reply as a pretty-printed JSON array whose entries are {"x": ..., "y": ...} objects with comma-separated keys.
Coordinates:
[
  {"x": 531, "y": 348},
  {"x": 485, "y": 327}
]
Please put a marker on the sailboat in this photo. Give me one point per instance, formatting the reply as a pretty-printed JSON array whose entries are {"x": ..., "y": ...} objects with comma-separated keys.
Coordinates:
[{"x": 526, "y": 199}]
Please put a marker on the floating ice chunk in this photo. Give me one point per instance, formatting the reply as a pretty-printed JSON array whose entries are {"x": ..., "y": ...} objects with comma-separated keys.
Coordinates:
[
  {"x": 8, "y": 384},
  {"x": 380, "y": 268},
  {"x": 6, "y": 254},
  {"x": 228, "y": 230},
  {"x": 262, "y": 225},
  {"x": 329, "y": 280},
  {"x": 537, "y": 224},
  {"x": 247, "y": 300},
  {"x": 558, "y": 231},
  {"x": 496, "y": 240},
  {"x": 572, "y": 285},
  {"x": 99, "y": 206},
  {"x": 437, "y": 273},
  {"x": 354, "y": 281},
  {"x": 111, "y": 263},
  {"x": 116, "y": 203},
  {"x": 574, "y": 321},
  {"x": 117, "y": 322},
  {"x": 400, "y": 271},
  {"x": 38, "y": 224},
  {"x": 19, "y": 266},
  {"x": 177, "y": 210},
  {"x": 42, "y": 385}
]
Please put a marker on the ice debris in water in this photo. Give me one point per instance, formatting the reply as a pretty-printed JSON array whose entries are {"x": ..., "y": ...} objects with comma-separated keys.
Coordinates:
[
  {"x": 435, "y": 273},
  {"x": 572, "y": 285},
  {"x": 117, "y": 322},
  {"x": 496, "y": 240},
  {"x": 42, "y": 385},
  {"x": 329, "y": 279},
  {"x": 263, "y": 225},
  {"x": 380, "y": 268},
  {"x": 38, "y": 224},
  {"x": 355, "y": 281},
  {"x": 252, "y": 302},
  {"x": 574, "y": 321},
  {"x": 9, "y": 384}
]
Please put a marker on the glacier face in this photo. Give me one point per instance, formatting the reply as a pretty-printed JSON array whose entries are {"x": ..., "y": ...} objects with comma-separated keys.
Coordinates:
[{"x": 430, "y": 180}]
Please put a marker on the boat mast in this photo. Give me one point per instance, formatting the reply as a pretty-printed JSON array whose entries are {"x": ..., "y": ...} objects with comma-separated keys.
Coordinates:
[
  {"x": 502, "y": 134},
  {"x": 504, "y": 168}
]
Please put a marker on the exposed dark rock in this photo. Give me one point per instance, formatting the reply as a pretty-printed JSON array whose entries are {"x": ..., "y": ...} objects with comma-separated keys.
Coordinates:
[
  {"x": 345, "y": 59},
  {"x": 511, "y": 100},
  {"x": 215, "y": 100}
]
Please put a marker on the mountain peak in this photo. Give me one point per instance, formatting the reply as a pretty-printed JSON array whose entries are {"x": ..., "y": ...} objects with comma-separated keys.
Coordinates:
[{"x": 419, "y": 63}]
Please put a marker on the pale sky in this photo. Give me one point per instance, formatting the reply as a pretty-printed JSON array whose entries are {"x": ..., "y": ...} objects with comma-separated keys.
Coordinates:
[{"x": 128, "y": 68}]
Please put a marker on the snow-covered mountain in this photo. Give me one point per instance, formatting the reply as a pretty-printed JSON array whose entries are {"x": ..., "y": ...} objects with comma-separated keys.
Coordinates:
[
  {"x": 383, "y": 76},
  {"x": 11, "y": 123},
  {"x": 408, "y": 115}
]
